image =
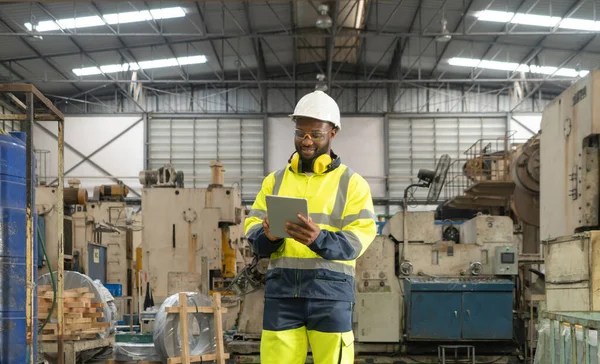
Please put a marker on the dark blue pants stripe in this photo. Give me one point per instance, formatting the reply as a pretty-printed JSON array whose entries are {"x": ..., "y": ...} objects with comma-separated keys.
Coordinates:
[{"x": 319, "y": 315}]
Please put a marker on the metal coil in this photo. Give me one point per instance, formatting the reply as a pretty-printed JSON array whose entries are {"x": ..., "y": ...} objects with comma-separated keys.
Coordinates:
[{"x": 201, "y": 333}]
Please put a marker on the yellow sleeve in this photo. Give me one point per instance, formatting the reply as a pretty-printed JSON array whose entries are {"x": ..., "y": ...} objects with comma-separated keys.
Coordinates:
[
  {"x": 359, "y": 224},
  {"x": 259, "y": 207},
  {"x": 253, "y": 228}
]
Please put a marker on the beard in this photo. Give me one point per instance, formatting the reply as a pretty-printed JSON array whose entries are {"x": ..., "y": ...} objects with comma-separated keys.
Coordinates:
[{"x": 317, "y": 151}]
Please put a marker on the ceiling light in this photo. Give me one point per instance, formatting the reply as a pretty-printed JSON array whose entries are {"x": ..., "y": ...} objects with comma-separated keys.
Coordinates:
[
  {"x": 33, "y": 32},
  {"x": 445, "y": 36},
  {"x": 321, "y": 85},
  {"x": 111, "y": 19},
  {"x": 157, "y": 63},
  {"x": 538, "y": 20},
  {"x": 324, "y": 20},
  {"x": 515, "y": 67}
]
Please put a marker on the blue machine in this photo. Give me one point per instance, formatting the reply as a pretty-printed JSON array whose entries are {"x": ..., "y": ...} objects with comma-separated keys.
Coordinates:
[
  {"x": 459, "y": 309},
  {"x": 97, "y": 262},
  {"x": 12, "y": 250}
]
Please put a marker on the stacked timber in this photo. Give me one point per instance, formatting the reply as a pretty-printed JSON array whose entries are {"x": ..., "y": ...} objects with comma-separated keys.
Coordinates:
[{"x": 82, "y": 317}]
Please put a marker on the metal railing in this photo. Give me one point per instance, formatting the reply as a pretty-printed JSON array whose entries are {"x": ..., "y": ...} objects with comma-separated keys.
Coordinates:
[
  {"x": 578, "y": 329},
  {"x": 486, "y": 160}
]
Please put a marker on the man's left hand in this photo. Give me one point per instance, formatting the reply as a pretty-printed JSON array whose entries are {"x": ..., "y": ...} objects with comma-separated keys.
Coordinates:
[{"x": 306, "y": 234}]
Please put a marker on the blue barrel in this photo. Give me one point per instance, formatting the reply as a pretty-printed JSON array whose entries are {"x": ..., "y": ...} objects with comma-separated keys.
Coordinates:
[{"x": 13, "y": 197}]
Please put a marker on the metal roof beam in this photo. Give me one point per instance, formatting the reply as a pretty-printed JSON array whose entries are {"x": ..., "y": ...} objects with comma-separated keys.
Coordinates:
[
  {"x": 154, "y": 24},
  {"x": 34, "y": 50},
  {"x": 82, "y": 51},
  {"x": 305, "y": 83},
  {"x": 443, "y": 53},
  {"x": 395, "y": 64},
  {"x": 364, "y": 35},
  {"x": 331, "y": 44},
  {"x": 97, "y": 11},
  {"x": 10, "y": 69},
  {"x": 537, "y": 50},
  {"x": 295, "y": 45},
  {"x": 361, "y": 48},
  {"x": 310, "y": 32},
  {"x": 283, "y": 27},
  {"x": 212, "y": 45},
  {"x": 259, "y": 56},
  {"x": 491, "y": 45},
  {"x": 393, "y": 71},
  {"x": 563, "y": 63}
]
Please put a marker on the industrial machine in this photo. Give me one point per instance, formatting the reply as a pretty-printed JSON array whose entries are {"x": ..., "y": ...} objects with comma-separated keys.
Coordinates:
[
  {"x": 502, "y": 177},
  {"x": 570, "y": 197},
  {"x": 98, "y": 234},
  {"x": 419, "y": 286},
  {"x": 190, "y": 235}
]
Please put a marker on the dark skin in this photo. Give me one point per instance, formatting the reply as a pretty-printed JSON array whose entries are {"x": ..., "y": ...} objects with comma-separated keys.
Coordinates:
[{"x": 308, "y": 149}]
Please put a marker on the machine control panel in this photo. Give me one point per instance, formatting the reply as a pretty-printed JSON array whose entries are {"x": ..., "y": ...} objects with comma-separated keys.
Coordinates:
[{"x": 506, "y": 261}]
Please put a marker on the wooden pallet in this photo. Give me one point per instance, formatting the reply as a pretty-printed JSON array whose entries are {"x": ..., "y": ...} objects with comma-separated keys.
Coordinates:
[
  {"x": 81, "y": 315},
  {"x": 113, "y": 361}
]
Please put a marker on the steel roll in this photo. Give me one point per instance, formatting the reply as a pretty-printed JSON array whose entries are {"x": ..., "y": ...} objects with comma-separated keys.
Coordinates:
[{"x": 201, "y": 333}]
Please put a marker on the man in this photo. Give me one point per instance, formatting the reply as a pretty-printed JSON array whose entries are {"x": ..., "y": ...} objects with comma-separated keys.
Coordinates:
[{"x": 309, "y": 293}]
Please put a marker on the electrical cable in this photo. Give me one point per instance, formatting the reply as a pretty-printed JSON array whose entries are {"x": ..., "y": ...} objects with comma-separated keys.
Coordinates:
[{"x": 43, "y": 245}]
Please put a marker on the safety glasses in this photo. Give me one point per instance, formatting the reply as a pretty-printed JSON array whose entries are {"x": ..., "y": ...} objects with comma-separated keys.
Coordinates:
[{"x": 313, "y": 135}]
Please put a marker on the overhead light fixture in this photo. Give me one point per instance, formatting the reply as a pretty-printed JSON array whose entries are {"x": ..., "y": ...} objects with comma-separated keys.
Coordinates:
[
  {"x": 111, "y": 19},
  {"x": 445, "y": 36},
  {"x": 33, "y": 32},
  {"x": 321, "y": 85},
  {"x": 157, "y": 63},
  {"x": 515, "y": 67},
  {"x": 324, "y": 20},
  {"x": 538, "y": 20}
]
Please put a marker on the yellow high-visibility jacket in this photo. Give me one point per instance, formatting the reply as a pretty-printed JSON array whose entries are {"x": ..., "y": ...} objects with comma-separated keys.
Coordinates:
[{"x": 340, "y": 202}]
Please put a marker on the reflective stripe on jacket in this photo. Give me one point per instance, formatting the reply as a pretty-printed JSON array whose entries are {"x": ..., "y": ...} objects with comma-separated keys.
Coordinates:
[{"x": 340, "y": 202}]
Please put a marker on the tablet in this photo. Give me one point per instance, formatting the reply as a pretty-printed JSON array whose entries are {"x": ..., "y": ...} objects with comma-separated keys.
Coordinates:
[{"x": 283, "y": 209}]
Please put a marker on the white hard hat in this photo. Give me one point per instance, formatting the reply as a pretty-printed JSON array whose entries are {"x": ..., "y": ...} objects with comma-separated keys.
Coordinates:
[{"x": 318, "y": 105}]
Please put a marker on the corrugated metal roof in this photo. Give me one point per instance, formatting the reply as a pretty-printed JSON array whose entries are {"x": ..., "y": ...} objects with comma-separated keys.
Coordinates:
[{"x": 276, "y": 17}]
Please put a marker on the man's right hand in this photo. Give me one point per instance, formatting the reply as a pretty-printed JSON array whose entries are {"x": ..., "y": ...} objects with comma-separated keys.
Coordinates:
[{"x": 267, "y": 231}]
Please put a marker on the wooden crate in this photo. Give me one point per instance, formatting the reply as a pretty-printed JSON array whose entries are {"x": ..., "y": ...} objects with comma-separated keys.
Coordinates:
[{"x": 81, "y": 315}]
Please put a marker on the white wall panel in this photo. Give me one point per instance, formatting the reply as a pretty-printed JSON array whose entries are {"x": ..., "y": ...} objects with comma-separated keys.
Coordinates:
[
  {"x": 525, "y": 126},
  {"x": 122, "y": 158},
  {"x": 360, "y": 145}
]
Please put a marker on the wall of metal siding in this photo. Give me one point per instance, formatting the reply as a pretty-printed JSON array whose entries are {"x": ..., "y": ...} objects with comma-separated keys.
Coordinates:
[
  {"x": 241, "y": 99},
  {"x": 421, "y": 100},
  {"x": 281, "y": 100},
  {"x": 189, "y": 144},
  {"x": 418, "y": 142},
  {"x": 370, "y": 100}
]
